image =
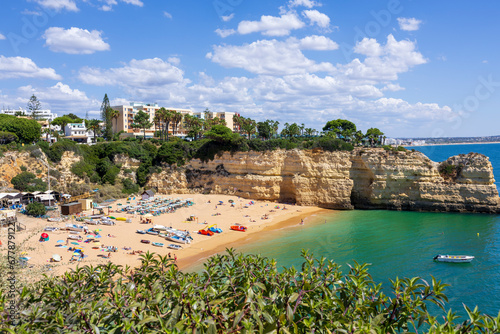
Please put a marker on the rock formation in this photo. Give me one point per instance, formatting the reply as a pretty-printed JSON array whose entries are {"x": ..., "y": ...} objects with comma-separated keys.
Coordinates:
[{"x": 363, "y": 178}]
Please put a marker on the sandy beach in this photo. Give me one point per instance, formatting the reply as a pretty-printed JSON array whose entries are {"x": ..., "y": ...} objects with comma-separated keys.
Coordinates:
[{"x": 123, "y": 236}]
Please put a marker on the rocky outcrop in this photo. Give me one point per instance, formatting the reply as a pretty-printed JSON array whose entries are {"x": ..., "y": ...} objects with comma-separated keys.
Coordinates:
[{"x": 364, "y": 178}]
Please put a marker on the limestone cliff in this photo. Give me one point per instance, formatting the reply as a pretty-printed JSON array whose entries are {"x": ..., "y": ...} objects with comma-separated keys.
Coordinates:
[{"x": 363, "y": 178}]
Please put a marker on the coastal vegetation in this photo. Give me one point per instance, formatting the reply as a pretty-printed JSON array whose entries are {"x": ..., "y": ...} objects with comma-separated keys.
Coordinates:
[{"x": 234, "y": 293}]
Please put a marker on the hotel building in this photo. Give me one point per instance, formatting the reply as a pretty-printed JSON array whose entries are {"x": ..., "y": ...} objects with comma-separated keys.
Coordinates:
[{"x": 128, "y": 112}]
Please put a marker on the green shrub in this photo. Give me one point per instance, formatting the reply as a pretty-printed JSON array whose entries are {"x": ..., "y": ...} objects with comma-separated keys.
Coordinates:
[
  {"x": 332, "y": 144},
  {"x": 8, "y": 137},
  {"x": 82, "y": 168},
  {"x": 35, "y": 209},
  {"x": 110, "y": 176},
  {"x": 129, "y": 186},
  {"x": 23, "y": 168},
  {"x": 235, "y": 294},
  {"x": 26, "y": 181},
  {"x": 27, "y": 130}
]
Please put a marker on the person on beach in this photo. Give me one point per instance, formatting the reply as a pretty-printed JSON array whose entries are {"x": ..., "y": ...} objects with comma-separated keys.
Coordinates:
[
  {"x": 302, "y": 222},
  {"x": 175, "y": 258}
]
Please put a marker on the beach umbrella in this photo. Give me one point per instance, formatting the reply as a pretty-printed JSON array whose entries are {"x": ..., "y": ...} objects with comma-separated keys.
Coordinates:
[
  {"x": 90, "y": 236},
  {"x": 74, "y": 243},
  {"x": 56, "y": 257},
  {"x": 45, "y": 235},
  {"x": 60, "y": 241},
  {"x": 231, "y": 201}
]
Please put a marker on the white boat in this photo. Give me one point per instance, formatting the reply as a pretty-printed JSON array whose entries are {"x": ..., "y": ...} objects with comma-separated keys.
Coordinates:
[
  {"x": 51, "y": 229},
  {"x": 454, "y": 258},
  {"x": 178, "y": 239},
  {"x": 160, "y": 228},
  {"x": 174, "y": 246},
  {"x": 77, "y": 228},
  {"x": 92, "y": 222},
  {"x": 108, "y": 222},
  {"x": 75, "y": 237}
]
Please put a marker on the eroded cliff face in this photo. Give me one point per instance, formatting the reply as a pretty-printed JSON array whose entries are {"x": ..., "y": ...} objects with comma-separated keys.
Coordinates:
[{"x": 364, "y": 178}]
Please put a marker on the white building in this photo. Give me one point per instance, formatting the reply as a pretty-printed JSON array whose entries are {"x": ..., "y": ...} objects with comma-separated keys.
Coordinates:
[
  {"x": 78, "y": 132},
  {"x": 40, "y": 114}
]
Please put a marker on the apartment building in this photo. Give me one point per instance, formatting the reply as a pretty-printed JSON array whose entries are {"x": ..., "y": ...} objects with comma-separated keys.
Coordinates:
[
  {"x": 225, "y": 115},
  {"x": 43, "y": 114},
  {"x": 128, "y": 112}
]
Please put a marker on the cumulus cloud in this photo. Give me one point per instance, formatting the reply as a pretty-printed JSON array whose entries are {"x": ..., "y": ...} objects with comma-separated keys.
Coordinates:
[
  {"x": 134, "y": 2},
  {"x": 74, "y": 40},
  {"x": 69, "y": 5},
  {"x": 393, "y": 87},
  {"x": 167, "y": 15},
  {"x": 108, "y": 4},
  {"x": 228, "y": 18},
  {"x": 140, "y": 77},
  {"x": 320, "y": 43},
  {"x": 315, "y": 17},
  {"x": 59, "y": 98},
  {"x": 383, "y": 62},
  {"x": 303, "y": 3},
  {"x": 272, "y": 25},
  {"x": 225, "y": 32},
  {"x": 269, "y": 57},
  {"x": 21, "y": 67},
  {"x": 409, "y": 24}
]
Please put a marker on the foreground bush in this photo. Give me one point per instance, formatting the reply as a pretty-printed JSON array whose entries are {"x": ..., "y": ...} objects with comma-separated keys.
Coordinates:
[{"x": 234, "y": 294}]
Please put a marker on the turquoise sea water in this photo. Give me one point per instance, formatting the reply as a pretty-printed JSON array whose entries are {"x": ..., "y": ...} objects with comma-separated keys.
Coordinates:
[{"x": 404, "y": 243}]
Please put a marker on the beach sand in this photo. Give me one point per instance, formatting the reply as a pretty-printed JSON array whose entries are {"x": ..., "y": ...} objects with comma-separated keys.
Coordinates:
[{"x": 205, "y": 209}]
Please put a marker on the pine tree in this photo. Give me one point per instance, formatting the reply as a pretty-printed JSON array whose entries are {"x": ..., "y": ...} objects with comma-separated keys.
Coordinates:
[
  {"x": 106, "y": 118},
  {"x": 33, "y": 106}
]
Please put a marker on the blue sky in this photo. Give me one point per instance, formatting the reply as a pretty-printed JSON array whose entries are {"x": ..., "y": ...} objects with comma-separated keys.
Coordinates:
[{"x": 411, "y": 68}]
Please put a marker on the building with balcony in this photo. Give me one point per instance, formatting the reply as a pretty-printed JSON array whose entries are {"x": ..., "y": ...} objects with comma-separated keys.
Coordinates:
[
  {"x": 78, "y": 132},
  {"x": 43, "y": 114},
  {"x": 127, "y": 113}
]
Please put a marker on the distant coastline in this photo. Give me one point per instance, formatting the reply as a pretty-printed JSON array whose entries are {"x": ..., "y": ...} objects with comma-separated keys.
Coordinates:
[{"x": 443, "y": 144}]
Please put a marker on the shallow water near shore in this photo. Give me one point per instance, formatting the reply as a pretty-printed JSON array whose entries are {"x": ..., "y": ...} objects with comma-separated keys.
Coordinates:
[{"x": 401, "y": 244}]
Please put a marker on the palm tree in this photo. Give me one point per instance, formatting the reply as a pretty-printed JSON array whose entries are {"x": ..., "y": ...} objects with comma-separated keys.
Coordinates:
[
  {"x": 114, "y": 114},
  {"x": 157, "y": 121},
  {"x": 93, "y": 125},
  {"x": 167, "y": 117},
  {"x": 176, "y": 119}
]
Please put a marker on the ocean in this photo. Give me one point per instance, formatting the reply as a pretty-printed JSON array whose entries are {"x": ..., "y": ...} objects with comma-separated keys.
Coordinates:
[{"x": 403, "y": 244}]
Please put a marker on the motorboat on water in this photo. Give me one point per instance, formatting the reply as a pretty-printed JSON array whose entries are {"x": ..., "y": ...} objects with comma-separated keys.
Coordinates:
[{"x": 454, "y": 258}]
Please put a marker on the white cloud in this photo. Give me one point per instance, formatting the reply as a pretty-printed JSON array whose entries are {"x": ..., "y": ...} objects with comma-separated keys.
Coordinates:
[
  {"x": 409, "y": 24},
  {"x": 21, "y": 67},
  {"x": 31, "y": 12},
  {"x": 383, "y": 62},
  {"x": 58, "y": 5},
  {"x": 139, "y": 77},
  {"x": 225, "y": 32},
  {"x": 134, "y": 2},
  {"x": 60, "y": 98},
  {"x": 485, "y": 62},
  {"x": 2, "y": 36},
  {"x": 315, "y": 17},
  {"x": 167, "y": 15},
  {"x": 272, "y": 25},
  {"x": 108, "y": 6},
  {"x": 393, "y": 87},
  {"x": 318, "y": 43},
  {"x": 174, "y": 60},
  {"x": 228, "y": 18},
  {"x": 74, "y": 40},
  {"x": 303, "y": 3},
  {"x": 268, "y": 57}
]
